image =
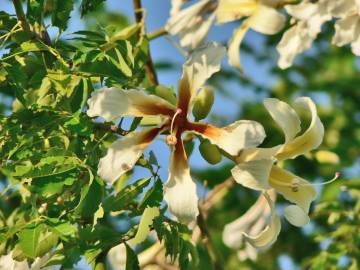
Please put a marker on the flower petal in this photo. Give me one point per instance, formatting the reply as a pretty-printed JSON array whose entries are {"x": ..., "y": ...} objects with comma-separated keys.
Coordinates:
[
  {"x": 296, "y": 215},
  {"x": 231, "y": 10},
  {"x": 233, "y": 232},
  {"x": 258, "y": 153},
  {"x": 253, "y": 174},
  {"x": 8, "y": 263},
  {"x": 123, "y": 153},
  {"x": 234, "y": 44},
  {"x": 195, "y": 34},
  {"x": 112, "y": 103},
  {"x": 269, "y": 235},
  {"x": 346, "y": 30},
  {"x": 200, "y": 66},
  {"x": 144, "y": 226},
  {"x": 179, "y": 20},
  {"x": 267, "y": 20},
  {"x": 180, "y": 189},
  {"x": 284, "y": 116},
  {"x": 292, "y": 187},
  {"x": 310, "y": 139},
  {"x": 232, "y": 138}
]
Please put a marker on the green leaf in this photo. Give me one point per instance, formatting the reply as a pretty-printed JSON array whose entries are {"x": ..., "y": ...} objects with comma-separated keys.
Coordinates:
[
  {"x": 35, "y": 240},
  {"x": 90, "y": 199},
  {"x": 132, "y": 262},
  {"x": 89, "y": 5},
  {"x": 61, "y": 13},
  {"x": 125, "y": 199},
  {"x": 153, "y": 197},
  {"x": 62, "y": 228}
]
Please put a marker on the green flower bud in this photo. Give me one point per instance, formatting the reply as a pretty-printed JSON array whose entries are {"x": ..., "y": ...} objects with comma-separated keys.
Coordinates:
[
  {"x": 210, "y": 152},
  {"x": 165, "y": 93},
  {"x": 203, "y": 103}
]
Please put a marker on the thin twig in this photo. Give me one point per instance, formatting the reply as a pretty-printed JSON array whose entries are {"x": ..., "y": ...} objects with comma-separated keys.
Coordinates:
[
  {"x": 149, "y": 66},
  {"x": 157, "y": 33}
]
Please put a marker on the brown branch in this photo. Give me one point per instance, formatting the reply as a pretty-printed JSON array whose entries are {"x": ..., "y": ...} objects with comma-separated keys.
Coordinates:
[{"x": 149, "y": 65}]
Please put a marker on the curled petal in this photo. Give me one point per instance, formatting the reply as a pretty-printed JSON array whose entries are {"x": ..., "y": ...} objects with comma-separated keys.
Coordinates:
[
  {"x": 234, "y": 44},
  {"x": 292, "y": 187},
  {"x": 346, "y": 30},
  {"x": 112, "y": 103},
  {"x": 200, "y": 66},
  {"x": 231, "y": 10},
  {"x": 144, "y": 226},
  {"x": 123, "y": 153},
  {"x": 180, "y": 189},
  {"x": 232, "y": 138},
  {"x": 267, "y": 20},
  {"x": 269, "y": 235},
  {"x": 253, "y": 174},
  {"x": 284, "y": 116},
  {"x": 310, "y": 139},
  {"x": 233, "y": 232},
  {"x": 296, "y": 215}
]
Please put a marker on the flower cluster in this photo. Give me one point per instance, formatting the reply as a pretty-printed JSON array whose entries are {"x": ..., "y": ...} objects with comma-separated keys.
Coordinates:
[
  {"x": 307, "y": 17},
  {"x": 257, "y": 168}
]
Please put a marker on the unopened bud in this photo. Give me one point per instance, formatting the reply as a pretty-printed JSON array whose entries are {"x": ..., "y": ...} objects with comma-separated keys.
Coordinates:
[
  {"x": 46, "y": 144},
  {"x": 210, "y": 152},
  {"x": 42, "y": 209},
  {"x": 165, "y": 93},
  {"x": 203, "y": 103},
  {"x": 60, "y": 200}
]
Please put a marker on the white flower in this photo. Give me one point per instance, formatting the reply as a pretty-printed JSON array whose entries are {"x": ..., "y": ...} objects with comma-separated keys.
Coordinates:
[
  {"x": 256, "y": 168},
  {"x": 309, "y": 17},
  {"x": 252, "y": 231},
  {"x": 193, "y": 23},
  {"x": 8, "y": 263},
  {"x": 262, "y": 17},
  {"x": 179, "y": 190},
  {"x": 348, "y": 25}
]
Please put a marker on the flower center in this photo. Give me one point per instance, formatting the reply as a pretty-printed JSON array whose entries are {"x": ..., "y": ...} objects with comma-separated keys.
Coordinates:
[{"x": 171, "y": 138}]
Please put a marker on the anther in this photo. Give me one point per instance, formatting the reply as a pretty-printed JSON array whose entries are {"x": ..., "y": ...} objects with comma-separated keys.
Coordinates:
[
  {"x": 295, "y": 185},
  {"x": 171, "y": 139}
]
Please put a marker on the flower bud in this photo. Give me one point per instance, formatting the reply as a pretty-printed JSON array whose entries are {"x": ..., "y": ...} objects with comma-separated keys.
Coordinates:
[
  {"x": 165, "y": 93},
  {"x": 210, "y": 152},
  {"x": 203, "y": 103}
]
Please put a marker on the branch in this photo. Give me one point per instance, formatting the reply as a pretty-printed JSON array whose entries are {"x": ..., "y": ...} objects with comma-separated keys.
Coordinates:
[
  {"x": 22, "y": 18},
  {"x": 149, "y": 66},
  {"x": 157, "y": 33}
]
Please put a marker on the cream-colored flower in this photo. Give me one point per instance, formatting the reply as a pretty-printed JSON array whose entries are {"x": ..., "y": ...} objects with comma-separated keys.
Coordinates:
[
  {"x": 193, "y": 23},
  {"x": 348, "y": 25},
  {"x": 257, "y": 170},
  {"x": 252, "y": 231},
  {"x": 262, "y": 17},
  {"x": 308, "y": 17},
  {"x": 8, "y": 263},
  {"x": 180, "y": 190}
]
